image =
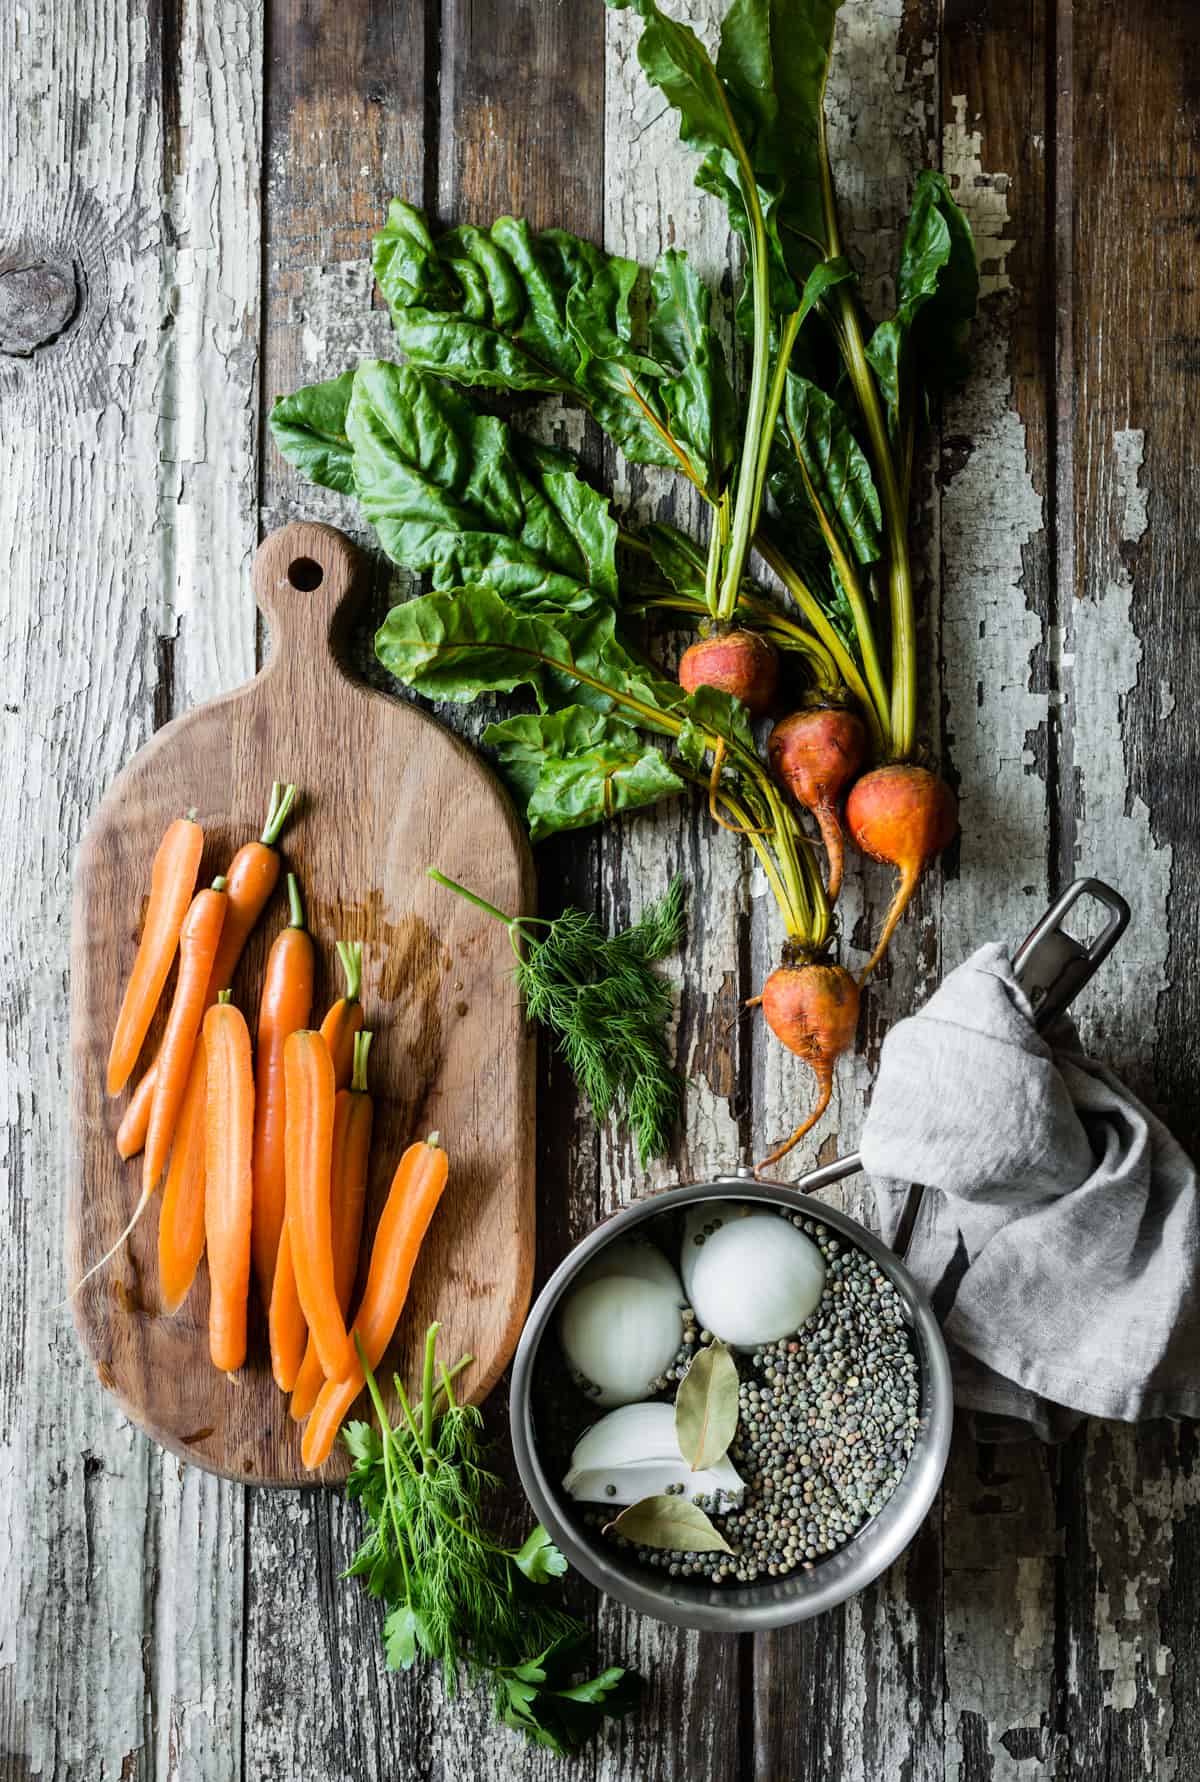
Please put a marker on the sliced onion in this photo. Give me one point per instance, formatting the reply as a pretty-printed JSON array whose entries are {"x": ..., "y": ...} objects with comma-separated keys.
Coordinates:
[{"x": 633, "y": 1453}]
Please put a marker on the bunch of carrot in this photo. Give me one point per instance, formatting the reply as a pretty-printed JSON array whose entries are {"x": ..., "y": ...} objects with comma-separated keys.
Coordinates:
[{"x": 265, "y": 1149}]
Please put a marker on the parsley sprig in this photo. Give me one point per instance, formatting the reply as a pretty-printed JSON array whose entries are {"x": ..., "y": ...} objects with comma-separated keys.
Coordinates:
[
  {"x": 454, "y": 1593},
  {"x": 606, "y": 1007}
]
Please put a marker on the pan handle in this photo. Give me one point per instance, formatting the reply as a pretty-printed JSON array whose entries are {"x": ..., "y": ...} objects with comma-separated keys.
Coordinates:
[{"x": 1051, "y": 967}]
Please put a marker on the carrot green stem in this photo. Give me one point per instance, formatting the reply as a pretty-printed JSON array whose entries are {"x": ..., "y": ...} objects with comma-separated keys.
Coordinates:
[
  {"x": 224, "y": 995},
  {"x": 362, "y": 1047},
  {"x": 389, "y": 1450},
  {"x": 414, "y": 1427},
  {"x": 220, "y": 882},
  {"x": 351, "y": 955},
  {"x": 479, "y": 902},
  {"x": 427, "y": 1385},
  {"x": 295, "y": 905},
  {"x": 282, "y": 799},
  {"x": 444, "y": 1390},
  {"x": 447, "y": 1386}
]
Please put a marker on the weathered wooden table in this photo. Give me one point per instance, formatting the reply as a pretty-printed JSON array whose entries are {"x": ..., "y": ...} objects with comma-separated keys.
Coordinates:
[{"x": 188, "y": 193}]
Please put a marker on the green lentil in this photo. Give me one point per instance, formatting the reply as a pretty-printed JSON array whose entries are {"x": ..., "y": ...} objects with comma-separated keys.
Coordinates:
[{"x": 827, "y": 1422}]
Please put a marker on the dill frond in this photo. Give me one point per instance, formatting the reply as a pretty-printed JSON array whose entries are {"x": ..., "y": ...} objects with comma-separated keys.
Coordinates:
[{"x": 606, "y": 1007}]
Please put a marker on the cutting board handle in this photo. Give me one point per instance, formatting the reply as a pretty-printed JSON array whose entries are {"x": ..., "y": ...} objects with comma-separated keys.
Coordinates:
[{"x": 301, "y": 575}]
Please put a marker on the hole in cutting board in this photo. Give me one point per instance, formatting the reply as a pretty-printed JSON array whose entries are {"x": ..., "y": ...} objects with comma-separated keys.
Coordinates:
[{"x": 305, "y": 574}]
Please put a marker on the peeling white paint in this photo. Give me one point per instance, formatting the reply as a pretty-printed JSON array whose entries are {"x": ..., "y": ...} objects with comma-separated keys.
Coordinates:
[
  {"x": 208, "y": 434},
  {"x": 1137, "y": 1497},
  {"x": 127, "y": 513},
  {"x": 1129, "y": 451},
  {"x": 990, "y": 514},
  {"x": 999, "y": 1587},
  {"x": 880, "y": 114},
  {"x": 983, "y": 196},
  {"x": 1029, "y": 1638},
  {"x": 1114, "y": 832}
]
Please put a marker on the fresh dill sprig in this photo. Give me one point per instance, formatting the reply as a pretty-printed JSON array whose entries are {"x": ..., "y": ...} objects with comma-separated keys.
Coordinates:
[
  {"x": 606, "y": 1007},
  {"x": 454, "y": 1593}
]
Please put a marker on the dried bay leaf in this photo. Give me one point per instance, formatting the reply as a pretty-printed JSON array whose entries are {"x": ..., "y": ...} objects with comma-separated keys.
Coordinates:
[
  {"x": 671, "y": 1523},
  {"x": 706, "y": 1407}
]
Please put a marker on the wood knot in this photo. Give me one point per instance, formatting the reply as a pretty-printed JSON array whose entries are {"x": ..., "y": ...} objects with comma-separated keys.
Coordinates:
[{"x": 38, "y": 300}]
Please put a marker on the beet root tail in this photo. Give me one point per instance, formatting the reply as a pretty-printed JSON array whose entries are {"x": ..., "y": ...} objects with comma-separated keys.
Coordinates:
[
  {"x": 824, "y": 1076},
  {"x": 830, "y": 825},
  {"x": 909, "y": 878}
]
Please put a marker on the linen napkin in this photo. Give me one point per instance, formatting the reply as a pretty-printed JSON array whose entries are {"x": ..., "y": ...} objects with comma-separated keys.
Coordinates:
[{"x": 1059, "y": 1236}]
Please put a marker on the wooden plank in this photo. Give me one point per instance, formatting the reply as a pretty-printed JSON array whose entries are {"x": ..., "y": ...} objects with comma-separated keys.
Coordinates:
[
  {"x": 691, "y": 1723},
  {"x": 858, "y": 1665},
  {"x": 345, "y": 127},
  {"x": 1135, "y": 392},
  {"x": 1000, "y": 641},
  {"x": 1129, "y": 1626},
  {"x": 126, "y": 497},
  {"x": 486, "y": 165}
]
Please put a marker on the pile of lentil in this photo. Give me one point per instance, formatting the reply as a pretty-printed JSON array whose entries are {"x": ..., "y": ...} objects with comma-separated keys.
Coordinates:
[{"x": 826, "y": 1424}]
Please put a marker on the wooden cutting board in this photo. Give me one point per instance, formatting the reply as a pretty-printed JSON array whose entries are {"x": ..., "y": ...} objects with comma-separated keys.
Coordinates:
[{"x": 385, "y": 791}]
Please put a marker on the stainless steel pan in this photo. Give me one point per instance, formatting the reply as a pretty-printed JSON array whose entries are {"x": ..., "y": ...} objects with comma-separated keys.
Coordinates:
[{"x": 1052, "y": 967}]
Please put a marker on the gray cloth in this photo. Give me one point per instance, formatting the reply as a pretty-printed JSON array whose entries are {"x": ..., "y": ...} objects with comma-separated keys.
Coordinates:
[{"x": 1059, "y": 1237}]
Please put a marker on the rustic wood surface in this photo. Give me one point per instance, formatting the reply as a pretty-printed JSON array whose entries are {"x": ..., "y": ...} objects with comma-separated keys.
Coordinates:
[
  {"x": 452, "y": 1053},
  {"x": 189, "y": 192}
]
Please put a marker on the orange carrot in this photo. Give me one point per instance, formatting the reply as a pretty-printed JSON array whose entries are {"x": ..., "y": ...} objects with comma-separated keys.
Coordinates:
[
  {"x": 412, "y": 1200},
  {"x": 172, "y": 880},
  {"x": 181, "y": 1216},
  {"x": 252, "y": 877},
  {"x": 352, "y": 1118},
  {"x": 310, "y": 1095},
  {"x": 198, "y": 941},
  {"x": 228, "y": 1188},
  {"x": 131, "y": 1133},
  {"x": 286, "y": 1328},
  {"x": 343, "y": 1023},
  {"x": 285, "y": 1006}
]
